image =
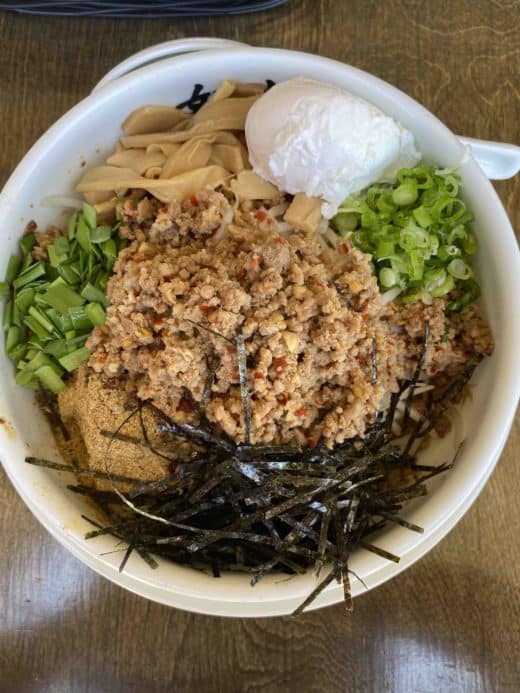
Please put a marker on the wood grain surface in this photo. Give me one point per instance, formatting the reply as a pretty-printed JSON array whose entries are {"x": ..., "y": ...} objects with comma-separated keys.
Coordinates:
[{"x": 449, "y": 623}]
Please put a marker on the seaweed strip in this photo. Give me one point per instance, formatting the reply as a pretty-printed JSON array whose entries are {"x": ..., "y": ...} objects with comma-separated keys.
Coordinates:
[
  {"x": 146, "y": 439},
  {"x": 111, "y": 528},
  {"x": 49, "y": 403},
  {"x": 121, "y": 437},
  {"x": 334, "y": 571},
  {"x": 269, "y": 507},
  {"x": 400, "y": 521},
  {"x": 153, "y": 486},
  {"x": 374, "y": 361},
  {"x": 249, "y": 471},
  {"x": 81, "y": 471},
  {"x": 127, "y": 555},
  {"x": 208, "y": 329},
  {"x": 416, "y": 432},
  {"x": 379, "y": 551},
  {"x": 417, "y": 373},
  {"x": 93, "y": 493},
  {"x": 244, "y": 385},
  {"x": 347, "y": 594},
  {"x": 322, "y": 540},
  {"x": 208, "y": 385}
]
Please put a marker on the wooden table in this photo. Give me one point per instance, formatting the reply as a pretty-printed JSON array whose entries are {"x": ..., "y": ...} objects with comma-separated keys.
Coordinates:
[{"x": 451, "y": 622}]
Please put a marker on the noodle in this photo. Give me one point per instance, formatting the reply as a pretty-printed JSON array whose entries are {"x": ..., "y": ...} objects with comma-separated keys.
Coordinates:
[{"x": 171, "y": 153}]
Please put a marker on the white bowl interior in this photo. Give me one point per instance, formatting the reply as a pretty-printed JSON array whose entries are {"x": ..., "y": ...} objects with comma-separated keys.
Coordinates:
[{"x": 85, "y": 136}]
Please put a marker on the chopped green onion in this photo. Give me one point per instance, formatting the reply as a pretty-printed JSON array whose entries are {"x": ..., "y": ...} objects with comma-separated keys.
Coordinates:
[
  {"x": 8, "y": 315},
  {"x": 66, "y": 323},
  {"x": 38, "y": 297},
  {"x": 447, "y": 286},
  {"x": 71, "y": 226},
  {"x": 27, "y": 243},
  {"x": 27, "y": 379},
  {"x": 29, "y": 275},
  {"x": 62, "y": 245},
  {"x": 91, "y": 293},
  {"x": 369, "y": 219},
  {"x": 57, "y": 303},
  {"x": 68, "y": 273},
  {"x": 42, "y": 359},
  {"x": 89, "y": 214},
  {"x": 110, "y": 253},
  {"x": 83, "y": 235},
  {"x": 61, "y": 297},
  {"x": 13, "y": 337},
  {"x": 13, "y": 267},
  {"x": 26, "y": 263},
  {"x": 17, "y": 353},
  {"x": 102, "y": 281},
  {"x": 422, "y": 217},
  {"x": 448, "y": 209},
  {"x": 434, "y": 278},
  {"x": 384, "y": 203},
  {"x": 384, "y": 249},
  {"x": 55, "y": 317},
  {"x": 469, "y": 244},
  {"x": 95, "y": 313},
  {"x": 414, "y": 295},
  {"x": 41, "y": 318},
  {"x": 405, "y": 194},
  {"x": 419, "y": 230},
  {"x": 417, "y": 263},
  {"x": 77, "y": 341},
  {"x": 55, "y": 257},
  {"x": 16, "y": 317},
  {"x": 38, "y": 329},
  {"x": 24, "y": 299},
  {"x": 100, "y": 234},
  {"x": 80, "y": 319},
  {"x": 413, "y": 237},
  {"x": 344, "y": 222},
  {"x": 49, "y": 379},
  {"x": 459, "y": 269},
  {"x": 56, "y": 348},
  {"x": 71, "y": 361},
  {"x": 446, "y": 252},
  {"x": 388, "y": 277}
]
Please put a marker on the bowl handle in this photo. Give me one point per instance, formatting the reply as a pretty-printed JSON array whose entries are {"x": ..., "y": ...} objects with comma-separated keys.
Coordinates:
[{"x": 160, "y": 51}]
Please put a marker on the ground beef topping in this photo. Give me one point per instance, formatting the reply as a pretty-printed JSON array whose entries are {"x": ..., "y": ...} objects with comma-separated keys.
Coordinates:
[{"x": 311, "y": 316}]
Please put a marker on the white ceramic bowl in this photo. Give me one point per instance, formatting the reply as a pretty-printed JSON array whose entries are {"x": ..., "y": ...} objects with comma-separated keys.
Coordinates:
[{"x": 88, "y": 132}]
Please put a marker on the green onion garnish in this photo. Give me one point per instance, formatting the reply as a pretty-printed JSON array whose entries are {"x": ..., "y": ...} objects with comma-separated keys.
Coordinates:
[
  {"x": 71, "y": 361},
  {"x": 89, "y": 215},
  {"x": 95, "y": 313},
  {"x": 418, "y": 233},
  {"x": 53, "y": 305},
  {"x": 13, "y": 268},
  {"x": 49, "y": 379},
  {"x": 29, "y": 275}
]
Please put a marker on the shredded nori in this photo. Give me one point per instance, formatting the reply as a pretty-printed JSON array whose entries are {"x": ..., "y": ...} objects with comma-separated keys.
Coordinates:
[
  {"x": 258, "y": 509},
  {"x": 244, "y": 386},
  {"x": 417, "y": 373}
]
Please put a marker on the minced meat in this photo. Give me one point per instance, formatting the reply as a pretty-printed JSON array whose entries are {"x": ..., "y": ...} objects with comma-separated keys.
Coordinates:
[{"x": 315, "y": 329}]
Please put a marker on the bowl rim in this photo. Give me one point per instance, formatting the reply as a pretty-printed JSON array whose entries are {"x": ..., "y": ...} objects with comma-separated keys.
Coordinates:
[{"x": 110, "y": 91}]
